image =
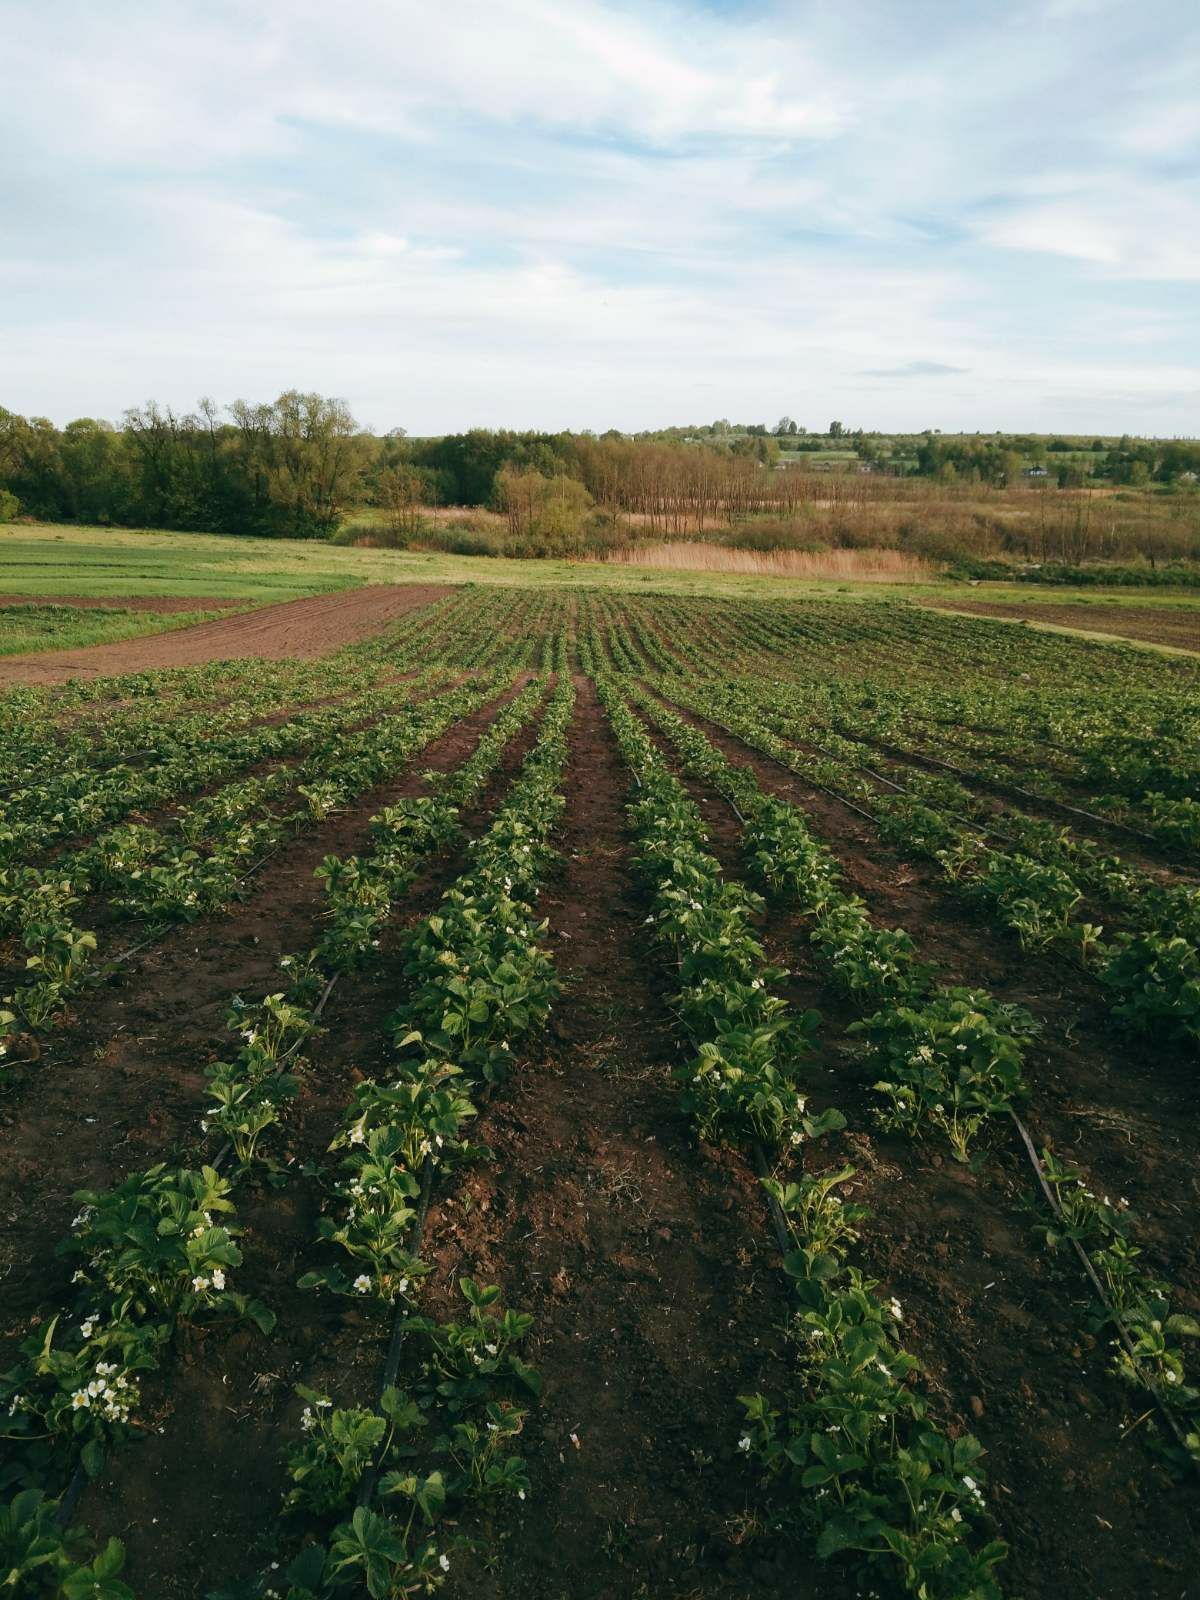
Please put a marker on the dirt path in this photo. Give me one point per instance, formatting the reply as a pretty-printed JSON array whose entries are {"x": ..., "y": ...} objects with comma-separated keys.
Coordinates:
[
  {"x": 644, "y": 1261},
  {"x": 295, "y": 629},
  {"x": 1178, "y": 628}
]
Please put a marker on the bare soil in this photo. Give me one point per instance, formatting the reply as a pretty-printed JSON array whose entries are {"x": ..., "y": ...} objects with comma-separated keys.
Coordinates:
[
  {"x": 295, "y": 629},
  {"x": 646, "y": 1261},
  {"x": 1152, "y": 624}
]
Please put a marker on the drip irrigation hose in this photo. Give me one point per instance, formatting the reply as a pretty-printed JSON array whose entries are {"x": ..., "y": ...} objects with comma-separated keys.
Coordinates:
[
  {"x": 391, "y": 1366},
  {"x": 778, "y": 1221},
  {"x": 1015, "y": 788},
  {"x": 1094, "y": 1278}
]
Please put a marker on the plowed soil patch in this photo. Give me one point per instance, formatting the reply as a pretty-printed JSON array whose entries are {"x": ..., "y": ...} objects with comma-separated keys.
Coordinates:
[
  {"x": 296, "y": 629},
  {"x": 1152, "y": 624}
]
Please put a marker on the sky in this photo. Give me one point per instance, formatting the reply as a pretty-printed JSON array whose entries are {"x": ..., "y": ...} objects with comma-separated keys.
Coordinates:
[{"x": 577, "y": 214}]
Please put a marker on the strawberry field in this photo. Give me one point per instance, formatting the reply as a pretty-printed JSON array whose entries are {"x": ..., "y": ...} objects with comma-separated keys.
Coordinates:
[{"x": 583, "y": 1095}]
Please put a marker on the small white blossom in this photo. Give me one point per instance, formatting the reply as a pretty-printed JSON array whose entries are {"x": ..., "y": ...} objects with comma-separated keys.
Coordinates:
[{"x": 362, "y": 1283}]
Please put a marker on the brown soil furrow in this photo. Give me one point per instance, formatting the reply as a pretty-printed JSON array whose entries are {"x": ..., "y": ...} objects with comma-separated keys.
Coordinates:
[
  {"x": 294, "y": 629},
  {"x": 645, "y": 1261}
]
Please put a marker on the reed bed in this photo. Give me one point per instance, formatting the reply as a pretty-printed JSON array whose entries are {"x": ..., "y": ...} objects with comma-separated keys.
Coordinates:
[{"x": 859, "y": 566}]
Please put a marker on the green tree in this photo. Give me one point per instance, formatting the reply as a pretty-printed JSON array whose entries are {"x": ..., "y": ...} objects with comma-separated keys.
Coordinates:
[{"x": 304, "y": 459}]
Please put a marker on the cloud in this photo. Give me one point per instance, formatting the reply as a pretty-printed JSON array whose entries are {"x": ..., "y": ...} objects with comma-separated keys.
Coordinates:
[
  {"x": 912, "y": 369},
  {"x": 586, "y": 212},
  {"x": 1146, "y": 231}
]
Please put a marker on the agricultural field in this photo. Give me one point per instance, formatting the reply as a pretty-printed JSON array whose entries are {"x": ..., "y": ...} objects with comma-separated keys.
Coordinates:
[{"x": 564, "y": 1091}]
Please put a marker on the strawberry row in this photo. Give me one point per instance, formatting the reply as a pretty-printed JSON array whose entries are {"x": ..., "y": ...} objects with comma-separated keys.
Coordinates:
[
  {"x": 951, "y": 1059},
  {"x": 1152, "y": 970},
  {"x": 479, "y": 979},
  {"x": 872, "y": 1478},
  {"x": 154, "y": 1254},
  {"x": 164, "y": 877}
]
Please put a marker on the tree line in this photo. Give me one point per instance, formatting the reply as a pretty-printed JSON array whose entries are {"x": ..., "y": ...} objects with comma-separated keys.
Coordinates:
[
  {"x": 294, "y": 467},
  {"x": 290, "y": 467}
]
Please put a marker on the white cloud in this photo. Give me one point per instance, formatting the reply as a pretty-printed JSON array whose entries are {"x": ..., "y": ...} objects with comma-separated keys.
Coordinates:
[
  {"x": 178, "y": 83},
  {"x": 1142, "y": 231},
  {"x": 540, "y": 212}
]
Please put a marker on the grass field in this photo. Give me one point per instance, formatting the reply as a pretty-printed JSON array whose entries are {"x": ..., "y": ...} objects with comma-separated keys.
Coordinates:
[
  {"x": 46, "y": 559},
  {"x": 26, "y": 628}
]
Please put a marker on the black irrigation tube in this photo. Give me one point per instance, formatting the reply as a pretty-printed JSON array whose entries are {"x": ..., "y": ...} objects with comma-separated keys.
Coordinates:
[
  {"x": 967, "y": 822},
  {"x": 101, "y": 974},
  {"x": 778, "y": 1223},
  {"x": 835, "y": 795},
  {"x": 1094, "y": 1278},
  {"x": 366, "y": 1486},
  {"x": 1011, "y": 788}
]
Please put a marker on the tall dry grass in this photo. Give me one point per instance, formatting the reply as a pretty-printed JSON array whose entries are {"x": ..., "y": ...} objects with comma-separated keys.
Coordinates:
[{"x": 861, "y": 566}]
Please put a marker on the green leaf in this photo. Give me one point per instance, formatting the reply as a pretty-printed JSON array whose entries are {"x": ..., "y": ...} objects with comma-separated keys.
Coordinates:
[{"x": 845, "y": 1533}]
